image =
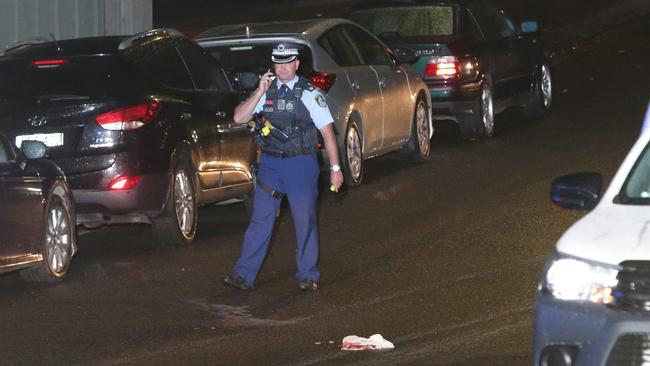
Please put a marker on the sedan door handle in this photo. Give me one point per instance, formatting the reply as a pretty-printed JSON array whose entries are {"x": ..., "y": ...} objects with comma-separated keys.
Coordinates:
[
  {"x": 382, "y": 83},
  {"x": 186, "y": 115},
  {"x": 355, "y": 85},
  {"x": 220, "y": 114}
]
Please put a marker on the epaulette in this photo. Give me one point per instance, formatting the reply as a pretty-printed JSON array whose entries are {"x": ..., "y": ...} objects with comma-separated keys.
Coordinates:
[{"x": 306, "y": 84}]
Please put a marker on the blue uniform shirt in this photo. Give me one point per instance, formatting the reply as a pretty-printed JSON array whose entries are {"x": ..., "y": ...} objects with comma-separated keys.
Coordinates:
[{"x": 312, "y": 99}]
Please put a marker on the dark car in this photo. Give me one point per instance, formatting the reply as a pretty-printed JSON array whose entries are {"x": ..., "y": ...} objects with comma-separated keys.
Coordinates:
[
  {"x": 141, "y": 126},
  {"x": 37, "y": 220},
  {"x": 378, "y": 103},
  {"x": 476, "y": 61}
]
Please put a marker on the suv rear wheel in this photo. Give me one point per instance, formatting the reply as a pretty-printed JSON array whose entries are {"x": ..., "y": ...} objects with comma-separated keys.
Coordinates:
[{"x": 177, "y": 224}]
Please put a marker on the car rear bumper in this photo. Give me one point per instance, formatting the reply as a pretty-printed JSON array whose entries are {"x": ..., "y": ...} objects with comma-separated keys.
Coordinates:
[
  {"x": 449, "y": 101},
  {"x": 591, "y": 332},
  {"x": 137, "y": 205}
]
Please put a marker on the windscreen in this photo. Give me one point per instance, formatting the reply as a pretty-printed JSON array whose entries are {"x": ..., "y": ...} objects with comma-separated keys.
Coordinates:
[
  {"x": 637, "y": 186},
  {"x": 66, "y": 79},
  {"x": 411, "y": 21}
]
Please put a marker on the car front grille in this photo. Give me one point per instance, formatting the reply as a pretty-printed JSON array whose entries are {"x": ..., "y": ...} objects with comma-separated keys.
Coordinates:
[
  {"x": 630, "y": 350},
  {"x": 633, "y": 290}
]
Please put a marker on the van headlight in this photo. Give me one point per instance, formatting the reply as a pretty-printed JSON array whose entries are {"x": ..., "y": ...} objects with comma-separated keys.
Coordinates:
[{"x": 572, "y": 279}]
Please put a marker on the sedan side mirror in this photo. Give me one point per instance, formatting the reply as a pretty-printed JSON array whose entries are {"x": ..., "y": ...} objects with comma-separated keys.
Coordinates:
[
  {"x": 405, "y": 55},
  {"x": 578, "y": 191},
  {"x": 33, "y": 149},
  {"x": 529, "y": 26}
]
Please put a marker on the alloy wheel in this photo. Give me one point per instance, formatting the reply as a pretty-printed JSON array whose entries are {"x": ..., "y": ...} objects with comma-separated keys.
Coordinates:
[
  {"x": 547, "y": 96},
  {"x": 184, "y": 202},
  {"x": 353, "y": 152},
  {"x": 422, "y": 126},
  {"x": 487, "y": 111},
  {"x": 58, "y": 240}
]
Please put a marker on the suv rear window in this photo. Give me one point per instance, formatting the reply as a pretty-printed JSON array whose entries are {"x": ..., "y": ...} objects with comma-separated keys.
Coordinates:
[
  {"x": 245, "y": 63},
  {"x": 74, "y": 78},
  {"x": 255, "y": 58},
  {"x": 411, "y": 21}
]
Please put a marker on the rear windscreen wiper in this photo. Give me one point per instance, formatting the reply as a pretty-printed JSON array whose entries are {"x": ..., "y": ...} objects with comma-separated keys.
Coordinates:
[{"x": 60, "y": 97}]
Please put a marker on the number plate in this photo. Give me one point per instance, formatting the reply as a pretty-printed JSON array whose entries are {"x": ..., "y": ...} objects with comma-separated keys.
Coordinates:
[{"x": 49, "y": 139}]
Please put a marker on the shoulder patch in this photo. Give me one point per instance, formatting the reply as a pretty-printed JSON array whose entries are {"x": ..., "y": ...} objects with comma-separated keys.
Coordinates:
[{"x": 320, "y": 100}]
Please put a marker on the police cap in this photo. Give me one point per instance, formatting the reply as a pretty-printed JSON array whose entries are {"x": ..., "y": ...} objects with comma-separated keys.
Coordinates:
[{"x": 284, "y": 52}]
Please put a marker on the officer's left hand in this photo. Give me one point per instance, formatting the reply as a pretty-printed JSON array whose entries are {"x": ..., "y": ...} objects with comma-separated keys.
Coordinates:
[{"x": 336, "y": 179}]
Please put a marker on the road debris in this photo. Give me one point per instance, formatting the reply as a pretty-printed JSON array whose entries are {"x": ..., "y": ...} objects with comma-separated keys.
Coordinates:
[{"x": 356, "y": 343}]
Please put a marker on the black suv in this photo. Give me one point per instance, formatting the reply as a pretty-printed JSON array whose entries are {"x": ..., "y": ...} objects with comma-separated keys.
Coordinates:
[{"x": 141, "y": 126}]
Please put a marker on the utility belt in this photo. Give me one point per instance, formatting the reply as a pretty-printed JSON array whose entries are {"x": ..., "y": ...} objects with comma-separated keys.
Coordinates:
[{"x": 284, "y": 154}]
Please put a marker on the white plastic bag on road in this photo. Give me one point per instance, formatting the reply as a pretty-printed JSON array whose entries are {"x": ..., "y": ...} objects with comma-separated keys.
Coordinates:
[{"x": 356, "y": 343}]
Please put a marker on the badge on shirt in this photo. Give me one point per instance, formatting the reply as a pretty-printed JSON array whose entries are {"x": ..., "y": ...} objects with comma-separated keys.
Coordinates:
[
  {"x": 268, "y": 109},
  {"x": 321, "y": 101},
  {"x": 290, "y": 105},
  {"x": 281, "y": 104}
]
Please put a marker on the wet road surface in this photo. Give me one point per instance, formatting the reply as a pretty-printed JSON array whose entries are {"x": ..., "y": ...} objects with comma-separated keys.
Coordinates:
[{"x": 442, "y": 258}]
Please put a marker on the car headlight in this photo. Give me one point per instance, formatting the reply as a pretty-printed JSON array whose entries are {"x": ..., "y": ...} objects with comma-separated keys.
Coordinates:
[{"x": 576, "y": 280}]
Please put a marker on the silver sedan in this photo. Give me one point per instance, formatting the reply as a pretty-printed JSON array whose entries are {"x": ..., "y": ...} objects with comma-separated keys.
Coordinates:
[{"x": 378, "y": 103}]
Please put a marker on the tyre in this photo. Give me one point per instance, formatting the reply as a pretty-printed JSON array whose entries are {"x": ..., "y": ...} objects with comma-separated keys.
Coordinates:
[
  {"x": 479, "y": 125},
  {"x": 176, "y": 225},
  {"x": 419, "y": 145},
  {"x": 541, "y": 98},
  {"x": 58, "y": 243},
  {"x": 353, "y": 156}
]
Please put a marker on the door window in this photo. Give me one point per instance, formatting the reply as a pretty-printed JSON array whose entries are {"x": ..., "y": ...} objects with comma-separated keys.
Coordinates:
[
  {"x": 205, "y": 70},
  {"x": 166, "y": 66},
  {"x": 373, "y": 51},
  {"x": 472, "y": 29},
  {"x": 494, "y": 24},
  {"x": 339, "y": 46}
]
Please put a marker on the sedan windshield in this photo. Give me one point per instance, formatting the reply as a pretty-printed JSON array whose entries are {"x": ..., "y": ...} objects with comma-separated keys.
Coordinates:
[
  {"x": 636, "y": 190},
  {"x": 409, "y": 21}
]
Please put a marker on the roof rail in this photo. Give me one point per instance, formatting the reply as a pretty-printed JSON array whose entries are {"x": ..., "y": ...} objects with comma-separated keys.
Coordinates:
[
  {"x": 25, "y": 42},
  {"x": 140, "y": 37}
]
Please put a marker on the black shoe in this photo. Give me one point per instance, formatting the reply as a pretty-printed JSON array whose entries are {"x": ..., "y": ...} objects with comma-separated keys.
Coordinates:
[
  {"x": 307, "y": 285},
  {"x": 233, "y": 280}
]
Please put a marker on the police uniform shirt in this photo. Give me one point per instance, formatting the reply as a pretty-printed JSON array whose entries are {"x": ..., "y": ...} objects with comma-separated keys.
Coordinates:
[{"x": 313, "y": 101}]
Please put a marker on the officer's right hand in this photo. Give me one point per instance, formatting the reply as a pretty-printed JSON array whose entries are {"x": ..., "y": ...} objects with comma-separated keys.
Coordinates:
[{"x": 265, "y": 81}]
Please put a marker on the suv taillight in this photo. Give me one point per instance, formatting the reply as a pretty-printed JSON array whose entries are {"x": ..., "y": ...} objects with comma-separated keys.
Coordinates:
[
  {"x": 323, "y": 80},
  {"x": 122, "y": 183},
  {"x": 129, "y": 118},
  {"x": 446, "y": 66}
]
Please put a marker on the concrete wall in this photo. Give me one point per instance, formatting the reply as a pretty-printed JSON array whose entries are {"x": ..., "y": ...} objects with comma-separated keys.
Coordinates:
[{"x": 25, "y": 19}]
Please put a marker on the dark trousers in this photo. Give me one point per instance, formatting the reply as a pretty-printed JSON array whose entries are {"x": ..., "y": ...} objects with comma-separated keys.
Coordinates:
[{"x": 297, "y": 177}]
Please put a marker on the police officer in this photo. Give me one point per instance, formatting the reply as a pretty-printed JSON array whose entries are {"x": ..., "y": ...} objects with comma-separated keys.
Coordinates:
[{"x": 287, "y": 166}]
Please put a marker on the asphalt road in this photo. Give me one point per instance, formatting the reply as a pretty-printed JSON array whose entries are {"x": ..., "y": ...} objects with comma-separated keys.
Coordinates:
[{"x": 441, "y": 258}]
